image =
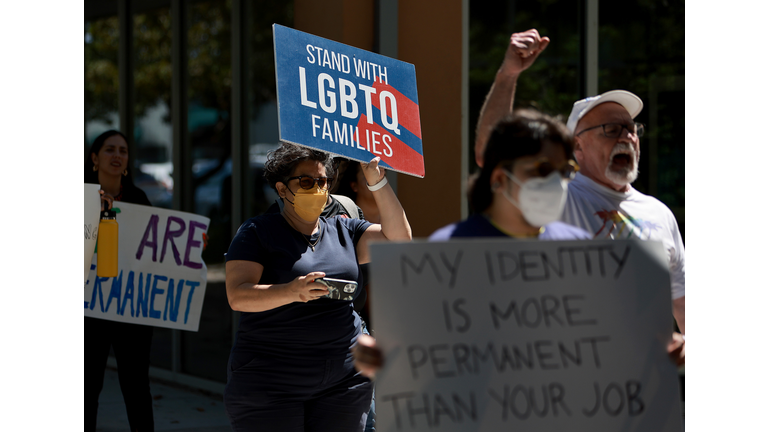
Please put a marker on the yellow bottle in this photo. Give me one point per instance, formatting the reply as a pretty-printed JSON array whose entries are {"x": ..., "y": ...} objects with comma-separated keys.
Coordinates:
[{"x": 106, "y": 245}]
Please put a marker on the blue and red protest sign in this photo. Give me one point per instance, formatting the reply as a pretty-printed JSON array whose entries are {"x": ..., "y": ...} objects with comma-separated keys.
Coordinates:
[{"x": 347, "y": 101}]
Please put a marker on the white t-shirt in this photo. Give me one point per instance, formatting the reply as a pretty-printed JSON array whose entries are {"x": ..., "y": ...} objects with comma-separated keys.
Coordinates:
[{"x": 608, "y": 214}]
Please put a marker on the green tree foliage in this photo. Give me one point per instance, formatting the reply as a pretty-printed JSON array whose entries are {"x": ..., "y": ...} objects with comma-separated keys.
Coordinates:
[
  {"x": 210, "y": 56},
  {"x": 208, "y": 60},
  {"x": 101, "y": 72},
  {"x": 152, "y": 74}
]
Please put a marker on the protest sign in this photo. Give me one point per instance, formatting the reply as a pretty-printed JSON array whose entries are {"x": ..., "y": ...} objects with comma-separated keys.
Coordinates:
[
  {"x": 347, "y": 101},
  {"x": 497, "y": 334},
  {"x": 162, "y": 277},
  {"x": 91, "y": 216}
]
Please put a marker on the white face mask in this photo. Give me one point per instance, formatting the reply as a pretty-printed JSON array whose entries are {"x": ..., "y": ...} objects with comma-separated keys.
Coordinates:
[{"x": 542, "y": 199}]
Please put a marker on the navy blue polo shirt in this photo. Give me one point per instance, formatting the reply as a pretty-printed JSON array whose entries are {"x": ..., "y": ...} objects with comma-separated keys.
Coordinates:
[
  {"x": 321, "y": 329},
  {"x": 478, "y": 225}
]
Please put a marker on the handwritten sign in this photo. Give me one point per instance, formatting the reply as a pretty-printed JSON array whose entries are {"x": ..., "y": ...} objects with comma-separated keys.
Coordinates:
[
  {"x": 347, "y": 101},
  {"x": 162, "y": 277},
  {"x": 495, "y": 334},
  {"x": 91, "y": 216}
]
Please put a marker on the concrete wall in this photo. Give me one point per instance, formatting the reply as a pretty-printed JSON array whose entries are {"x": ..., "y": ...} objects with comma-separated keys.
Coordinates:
[{"x": 430, "y": 38}]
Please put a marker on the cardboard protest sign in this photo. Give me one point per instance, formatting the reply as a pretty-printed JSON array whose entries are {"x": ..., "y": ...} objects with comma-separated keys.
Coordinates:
[
  {"x": 497, "y": 334},
  {"x": 92, "y": 200},
  {"x": 347, "y": 101},
  {"x": 162, "y": 277}
]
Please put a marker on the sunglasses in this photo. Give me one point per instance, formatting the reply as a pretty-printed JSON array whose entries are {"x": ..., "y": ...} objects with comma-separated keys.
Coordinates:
[{"x": 307, "y": 182}]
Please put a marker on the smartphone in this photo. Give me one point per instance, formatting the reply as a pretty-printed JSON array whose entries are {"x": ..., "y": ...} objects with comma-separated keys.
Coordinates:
[{"x": 339, "y": 289}]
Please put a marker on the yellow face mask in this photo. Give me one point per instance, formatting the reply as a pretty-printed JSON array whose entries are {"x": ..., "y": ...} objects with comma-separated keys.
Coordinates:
[{"x": 309, "y": 203}]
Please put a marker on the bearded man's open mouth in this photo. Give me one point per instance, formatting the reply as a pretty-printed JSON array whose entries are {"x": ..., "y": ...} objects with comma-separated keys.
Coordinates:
[{"x": 623, "y": 158}]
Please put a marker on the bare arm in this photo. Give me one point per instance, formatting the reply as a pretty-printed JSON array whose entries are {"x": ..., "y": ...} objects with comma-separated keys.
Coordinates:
[
  {"x": 676, "y": 347},
  {"x": 522, "y": 51},
  {"x": 394, "y": 224},
  {"x": 678, "y": 310},
  {"x": 245, "y": 294}
]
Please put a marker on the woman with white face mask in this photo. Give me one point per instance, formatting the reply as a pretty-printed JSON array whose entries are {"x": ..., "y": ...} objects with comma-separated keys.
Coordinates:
[
  {"x": 521, "y": 190},
  {"x": 290, "y": 367},
  {"x": 519, "y": 193}
]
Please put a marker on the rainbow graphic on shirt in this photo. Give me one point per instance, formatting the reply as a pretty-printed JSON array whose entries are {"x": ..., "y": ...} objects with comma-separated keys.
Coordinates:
[{"x": 618, "y": 225}]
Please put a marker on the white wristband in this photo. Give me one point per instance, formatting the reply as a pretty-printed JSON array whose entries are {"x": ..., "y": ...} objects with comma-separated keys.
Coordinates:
[{"x": 378, "y": 185}]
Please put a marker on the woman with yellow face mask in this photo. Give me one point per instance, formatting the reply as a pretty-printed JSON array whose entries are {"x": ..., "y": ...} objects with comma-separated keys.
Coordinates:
[{"x": 290, "y": 366}]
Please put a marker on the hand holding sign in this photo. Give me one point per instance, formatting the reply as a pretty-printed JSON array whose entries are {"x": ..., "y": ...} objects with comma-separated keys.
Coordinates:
[
  {"x": 368, "y": 357},
  {"x": 372, "y": 172},
  {"x": 676, "y": 349},
  {"x": 106, "y": 199},
  {"x": 91, "y": 198}
]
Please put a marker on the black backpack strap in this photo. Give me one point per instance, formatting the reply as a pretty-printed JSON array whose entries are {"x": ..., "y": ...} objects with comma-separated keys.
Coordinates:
[{"x": 349, "y": 205}]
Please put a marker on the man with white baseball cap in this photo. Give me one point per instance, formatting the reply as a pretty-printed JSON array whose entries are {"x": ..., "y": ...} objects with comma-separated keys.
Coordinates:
[
  {"x": 612, "y": 161},
  {"x": 601, "y": 199}
]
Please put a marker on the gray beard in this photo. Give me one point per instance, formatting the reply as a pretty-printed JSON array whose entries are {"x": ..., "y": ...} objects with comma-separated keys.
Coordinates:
[{"x": 623, "y": 176}]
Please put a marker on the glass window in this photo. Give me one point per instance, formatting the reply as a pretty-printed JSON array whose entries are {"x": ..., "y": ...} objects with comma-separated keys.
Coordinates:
[
  {"x": 152, "y": 82},
  {"x": 262, "y": 100},
  {"x": 551, "y": 84},
  {"x": 209, "y": 38},
  {"x": 102, "y": 82},
  {"x": 646, "y": 55},
  {"x": 152, "y": 130}
]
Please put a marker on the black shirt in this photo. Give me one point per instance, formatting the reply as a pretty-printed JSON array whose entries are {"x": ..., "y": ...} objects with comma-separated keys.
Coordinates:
[
  {"x": 335, "y": 208},
  {"x": 322, "y": 328}
]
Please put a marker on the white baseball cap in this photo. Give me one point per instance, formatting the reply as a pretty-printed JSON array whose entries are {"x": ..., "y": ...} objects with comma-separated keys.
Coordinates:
[{"x": 628, "y": 100}]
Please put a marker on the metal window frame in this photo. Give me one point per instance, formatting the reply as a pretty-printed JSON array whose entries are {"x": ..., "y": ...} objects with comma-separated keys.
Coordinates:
[
  {"x": 589, "y": 24},
  {"x": 241, "y": 10},
  {"x": 126, "y": 100},
  {"x": 465, "y": 119},
  {"x": 591, "y": 47},
  {"x": 182, "y": 169},
  {"x": 386, "y": 43},
  {"x": 182, "y": 173}
]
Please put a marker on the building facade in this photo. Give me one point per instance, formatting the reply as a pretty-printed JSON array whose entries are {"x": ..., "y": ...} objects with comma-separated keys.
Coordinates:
[{"x": 192, "y": 85}]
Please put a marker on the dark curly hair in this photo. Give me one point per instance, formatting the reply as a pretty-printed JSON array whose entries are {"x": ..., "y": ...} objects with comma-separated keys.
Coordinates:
[
  {"x": 522, "y": 133},
  {"x": 281, "y": 162},
  {"x": 349, "y": 175}
]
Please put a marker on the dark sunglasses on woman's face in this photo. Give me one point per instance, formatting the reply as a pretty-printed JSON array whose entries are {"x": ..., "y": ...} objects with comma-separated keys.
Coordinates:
[{"x": 307, "y": 182}]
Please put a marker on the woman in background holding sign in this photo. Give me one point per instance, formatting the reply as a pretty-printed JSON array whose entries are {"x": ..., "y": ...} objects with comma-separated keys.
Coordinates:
[
  {"x": 107, "y": 165},
  {"x": 290, "y": 367}
]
